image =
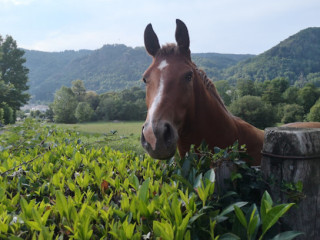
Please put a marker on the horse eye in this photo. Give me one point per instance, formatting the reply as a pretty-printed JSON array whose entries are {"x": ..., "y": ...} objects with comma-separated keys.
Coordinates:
[
  {"x": 189, "y": 76},
  {"x": 144, "y": 80}
]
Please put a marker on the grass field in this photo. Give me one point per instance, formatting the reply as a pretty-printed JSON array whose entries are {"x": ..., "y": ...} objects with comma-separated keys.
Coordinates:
[{"x": 123, "y": 136}]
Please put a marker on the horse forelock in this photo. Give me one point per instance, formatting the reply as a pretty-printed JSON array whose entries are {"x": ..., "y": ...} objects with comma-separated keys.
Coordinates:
[
  {"x": 168, "y": 50},
  {"x": 171, "y": 49}
]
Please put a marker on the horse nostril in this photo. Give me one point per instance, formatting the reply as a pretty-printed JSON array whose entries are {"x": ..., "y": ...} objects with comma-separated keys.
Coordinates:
[
  {"x": 142, "y": 139},
  {"x": 167, "y": 133}
]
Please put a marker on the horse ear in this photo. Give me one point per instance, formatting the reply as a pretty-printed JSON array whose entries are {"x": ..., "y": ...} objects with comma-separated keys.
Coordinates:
[
  {"x": 151, "y": 41},
  {"x": 182, "y": 36}
]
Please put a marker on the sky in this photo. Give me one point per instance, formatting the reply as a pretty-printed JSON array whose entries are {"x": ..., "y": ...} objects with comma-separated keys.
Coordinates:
[{"x": 221, "y": 26}]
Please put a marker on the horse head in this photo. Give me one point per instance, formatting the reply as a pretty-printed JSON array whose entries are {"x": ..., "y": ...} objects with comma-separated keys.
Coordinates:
[{"x": 169, "y": 92}]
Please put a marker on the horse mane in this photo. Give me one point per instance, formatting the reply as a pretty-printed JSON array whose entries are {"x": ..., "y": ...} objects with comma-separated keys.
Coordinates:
[
  {"x": 173, "y": 49},
  {"x": 210, "y": 87}
]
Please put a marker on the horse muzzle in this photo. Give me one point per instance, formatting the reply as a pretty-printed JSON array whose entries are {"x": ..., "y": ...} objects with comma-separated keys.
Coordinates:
[{"x": 159, "y": 139}]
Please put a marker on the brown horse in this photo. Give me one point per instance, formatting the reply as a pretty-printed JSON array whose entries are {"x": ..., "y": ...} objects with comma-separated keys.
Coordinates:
[{"x": 184, "y": 107}]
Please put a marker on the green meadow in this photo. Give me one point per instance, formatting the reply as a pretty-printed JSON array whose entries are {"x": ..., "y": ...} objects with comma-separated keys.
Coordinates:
[{"x": 122, "y": 136}]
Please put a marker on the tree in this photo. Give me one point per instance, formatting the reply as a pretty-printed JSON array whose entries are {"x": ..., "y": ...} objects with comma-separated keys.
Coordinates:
[
  {"x": 253, "y": 110},
  {"x": 280, "y": 83},
  {"x": 307, "y": 97},
  {"x": 224, "y": 90},
  {"x": 301, "y": 81},
  {"x": 8, "y": 115},
  {"x": 84, "y": 112},
  {"x": 14, "y": 75},
  {"x": 290, "y": 95},
  {"x": 1, "y": 116},
  {"x": 4, "y": 90},
  {"x": 259, "y": 88},
  {"x": 78, "y": 89},
  {"x": 49, "y": 115},
  {"x": 64, "y": 105},
  {"x": 92, "y": 98},
  {"x": 37, "y": 114},
  {"x": 129, "y": 104},
  {"x": 272, "y": 95},
  {"x": 292, "y": 113},
  {"x": 105, "y": 109},
  {"x": 245, "y": 87},
  {"x": 314, "y": 114},
  {"x": 274, "y": 90},
  {"x": 314, "y": 78}
]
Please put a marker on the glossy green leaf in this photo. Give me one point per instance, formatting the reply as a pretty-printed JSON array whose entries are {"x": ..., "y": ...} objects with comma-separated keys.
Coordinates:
[
  {"x": 253, "y": 227},
  {"x": 34, "y": 225},
  {"x": 210, "y": 175},
  {"x": 144, "y": 191},
  {"x": 287, "y": 235},
  {"x": 240, "y": 216},
  {"x": 273, "y": 216},
  {"x": 266, "y": 204},
  {"x": 230, "y": 208},
  {"x": 229, "y": 236},
  {"x": 197, "y": 181},
  {"x": 163, "y": 230}
]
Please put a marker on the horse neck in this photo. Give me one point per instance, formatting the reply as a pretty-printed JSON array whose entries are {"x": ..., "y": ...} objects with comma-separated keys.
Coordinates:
[
  {"x": 252, "y": 137},
  {"x": 212, "y": 114},
  {"x": 208, "y": 119},
  {"x": 212, "y": 122}
]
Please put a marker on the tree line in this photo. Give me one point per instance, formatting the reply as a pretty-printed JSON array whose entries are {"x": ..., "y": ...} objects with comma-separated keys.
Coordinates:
[
  {"x": 76, "y": 104},
  {"x": 111, "y": 68},
  {"x": 13, "y": 80},
  {"x": 264, "y": 104}
]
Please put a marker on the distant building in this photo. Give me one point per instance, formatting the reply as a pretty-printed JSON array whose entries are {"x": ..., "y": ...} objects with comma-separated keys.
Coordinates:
[{"x": 34, "y": 107}]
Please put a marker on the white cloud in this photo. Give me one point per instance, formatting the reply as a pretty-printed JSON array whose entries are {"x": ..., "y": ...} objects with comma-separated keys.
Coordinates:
[
  {"x": 58, "y": 41},
  {"x": 235, "y": 26},
  {"x": 17, "y": 2}
]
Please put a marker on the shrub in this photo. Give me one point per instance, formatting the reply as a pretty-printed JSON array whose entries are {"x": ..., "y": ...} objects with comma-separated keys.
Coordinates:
[
  {"x": 292, "y": 113},
  {"x": 314, "y": 114},
  {"x": 52, "y": 186},
  {"x": 253, "y": 110}
]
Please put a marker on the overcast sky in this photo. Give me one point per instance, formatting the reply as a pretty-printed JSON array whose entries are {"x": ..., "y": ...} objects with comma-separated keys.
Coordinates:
[{"x": 223, "y": 26}]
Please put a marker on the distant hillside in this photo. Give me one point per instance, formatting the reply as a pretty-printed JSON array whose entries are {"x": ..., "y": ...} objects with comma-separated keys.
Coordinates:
[
  {"x": 215, "y": 63},
  {"x": 298, "y": 55},
  {"x": 115, "y": 67},
  {"x": 43, "y": 65},
  {"x": 112, "y": 67}
]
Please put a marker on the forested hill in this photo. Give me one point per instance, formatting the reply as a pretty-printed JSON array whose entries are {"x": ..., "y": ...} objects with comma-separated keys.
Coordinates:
[
  {"x": 112, "y": 67},
  {"x": 115, "y": 67},
  {"x": 296, "y": 57}
]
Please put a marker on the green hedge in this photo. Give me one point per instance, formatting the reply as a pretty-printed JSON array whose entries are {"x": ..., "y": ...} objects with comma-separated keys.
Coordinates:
[{"x": 52, "y": 186}]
